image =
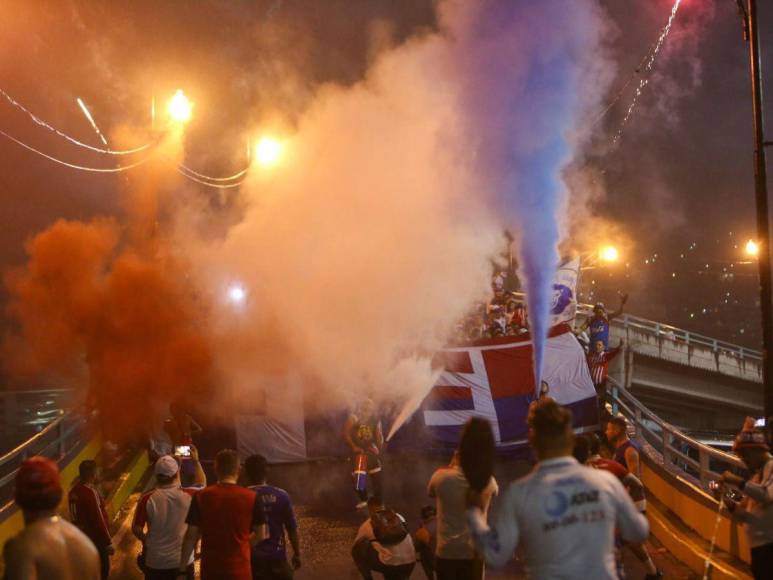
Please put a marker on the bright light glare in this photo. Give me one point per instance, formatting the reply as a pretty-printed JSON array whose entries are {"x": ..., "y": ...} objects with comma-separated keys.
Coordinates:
[
  {"x": 180, "y": 108},
  {"x": 609, "y": 254},
  {"x": 752, "y": 248},
  {"x": 237, "y": 294},
  {"x": 268, "y": 151}
]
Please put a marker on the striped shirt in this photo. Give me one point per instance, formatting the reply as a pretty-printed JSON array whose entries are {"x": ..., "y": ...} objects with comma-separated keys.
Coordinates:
[{"x": 598, "y": 363}]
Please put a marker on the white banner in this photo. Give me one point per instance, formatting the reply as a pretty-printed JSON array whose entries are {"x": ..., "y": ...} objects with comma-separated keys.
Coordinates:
[{"x": 563, "y": 307}]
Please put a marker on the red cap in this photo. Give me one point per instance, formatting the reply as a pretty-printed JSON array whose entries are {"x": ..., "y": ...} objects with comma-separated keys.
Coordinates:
[{"x": 38, "y": 486}]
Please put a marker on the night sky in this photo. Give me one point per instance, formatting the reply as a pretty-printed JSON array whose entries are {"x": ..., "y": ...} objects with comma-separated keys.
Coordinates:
[{"x": 678, "y": 184}]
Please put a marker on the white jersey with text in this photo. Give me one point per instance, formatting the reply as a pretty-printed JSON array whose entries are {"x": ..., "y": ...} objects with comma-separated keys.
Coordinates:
[{"x": 564, "y": 515}]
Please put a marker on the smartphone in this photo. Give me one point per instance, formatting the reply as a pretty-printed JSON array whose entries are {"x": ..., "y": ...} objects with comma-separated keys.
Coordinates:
[
  {"x": 760, "y": 422},
  {"x": 182, "y": 450}
]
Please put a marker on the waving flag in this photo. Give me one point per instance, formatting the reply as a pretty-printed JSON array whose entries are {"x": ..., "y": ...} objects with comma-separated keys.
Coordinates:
[
  {"x": 494, "y": 379},
  {"x": 563, "y": 307}
]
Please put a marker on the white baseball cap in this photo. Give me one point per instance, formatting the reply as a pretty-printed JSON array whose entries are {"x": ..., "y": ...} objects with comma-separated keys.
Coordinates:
[{"x": 166, "y": 466}]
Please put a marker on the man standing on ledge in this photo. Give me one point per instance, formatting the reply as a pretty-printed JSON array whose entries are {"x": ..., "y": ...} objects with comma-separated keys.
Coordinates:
[
  {"x": 563, "y": 513},
  {"x": 364, "y": 435}
]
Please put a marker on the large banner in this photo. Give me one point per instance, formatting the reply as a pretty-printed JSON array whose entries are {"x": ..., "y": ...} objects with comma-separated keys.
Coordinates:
[{"x": 494, "y": 379}]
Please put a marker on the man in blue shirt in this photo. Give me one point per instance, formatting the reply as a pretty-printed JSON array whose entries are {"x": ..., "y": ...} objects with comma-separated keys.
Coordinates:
[
  {"x": 269, "y": 557},
  {"x": 597, "y": 325}
]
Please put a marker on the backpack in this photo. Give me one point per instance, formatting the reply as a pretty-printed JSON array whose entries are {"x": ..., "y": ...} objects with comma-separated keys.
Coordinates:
[{"x": 388, "y": 528}]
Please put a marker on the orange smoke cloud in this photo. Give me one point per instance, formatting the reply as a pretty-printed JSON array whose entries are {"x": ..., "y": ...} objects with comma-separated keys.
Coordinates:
[{"x": 91, "y": 310}]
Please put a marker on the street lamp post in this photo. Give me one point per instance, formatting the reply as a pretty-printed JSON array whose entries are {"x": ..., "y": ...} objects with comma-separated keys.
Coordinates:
[{"x": 751, "y": 32}]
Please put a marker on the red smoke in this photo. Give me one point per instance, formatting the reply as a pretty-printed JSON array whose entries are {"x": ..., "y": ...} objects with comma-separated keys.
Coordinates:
[{"x": 91, "y": 309}]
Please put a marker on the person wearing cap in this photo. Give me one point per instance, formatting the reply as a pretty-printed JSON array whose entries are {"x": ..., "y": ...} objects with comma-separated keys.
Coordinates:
[
  {"x": 756, "y": 508},
  {"x": 598, "y": 324},
  {"x": 87, "y": 511},
  {"x": 48, "y": 547},
  {"x": 159, "y": 520}
]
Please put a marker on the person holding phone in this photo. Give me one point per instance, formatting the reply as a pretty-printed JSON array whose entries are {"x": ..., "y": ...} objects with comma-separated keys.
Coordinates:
[
  {"x": 159, "y": 520},
  {"x": 756, "y": 508}
]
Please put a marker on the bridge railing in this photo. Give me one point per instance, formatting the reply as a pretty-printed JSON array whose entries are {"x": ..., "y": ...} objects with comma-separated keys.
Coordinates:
[
  {"x": 55, "y": 441},
  {"x": 679, "y": 451},
  {"x": 680, "y": 335},
  {"x": 674, "y": 334}
]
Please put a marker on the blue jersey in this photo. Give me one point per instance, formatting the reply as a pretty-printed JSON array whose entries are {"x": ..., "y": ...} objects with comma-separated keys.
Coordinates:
[
  {"x": 598, "y": 329},
  {"x": 280, "y": 516}
]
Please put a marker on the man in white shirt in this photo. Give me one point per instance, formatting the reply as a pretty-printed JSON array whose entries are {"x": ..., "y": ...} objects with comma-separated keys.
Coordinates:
[
  {"x": 394, "y": 557},
  {"x": 162, "y": 511},
  {"x": 562, "y": 514},
  {"x": 455, "y": 556}
]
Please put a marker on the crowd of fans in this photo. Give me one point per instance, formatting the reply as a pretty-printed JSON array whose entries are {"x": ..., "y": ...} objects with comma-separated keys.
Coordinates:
[{"x": 572, "y": 515}]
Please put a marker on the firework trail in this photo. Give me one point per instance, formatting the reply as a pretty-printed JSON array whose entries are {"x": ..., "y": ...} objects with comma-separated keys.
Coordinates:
[{"x": 647, "y": 70}]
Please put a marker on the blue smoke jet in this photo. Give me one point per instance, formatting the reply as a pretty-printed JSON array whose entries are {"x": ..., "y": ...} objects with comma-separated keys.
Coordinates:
[{"x": 521, "y": 67}]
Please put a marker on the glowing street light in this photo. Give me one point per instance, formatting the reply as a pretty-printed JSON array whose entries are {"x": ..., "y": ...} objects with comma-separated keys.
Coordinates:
[
  {"x": 268, "y": 151},
  {"x": 752, "y": 248},
  {"x": 180, "y": 107},
  {"x": 609, "y": 254},
  {"x": 237, "y": 294}
]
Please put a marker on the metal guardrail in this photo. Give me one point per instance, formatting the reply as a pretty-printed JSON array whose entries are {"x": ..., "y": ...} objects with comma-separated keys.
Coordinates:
[
  {"x": 678, "y": 335},
  {"x": 673, "y": 333},
  {"x": 55, "y": 441},
  {"x": 679, "y": 451},
  {"x": 25, "y": 412}
]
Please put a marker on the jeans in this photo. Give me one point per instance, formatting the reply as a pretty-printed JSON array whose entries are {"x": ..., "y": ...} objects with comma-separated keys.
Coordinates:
[
  {"x": 762, "y": 562},
  {"x": 447, "y": 569},
  {"x": 104, "y": 562},
  {"x": 168, "y": 574},
  {"x": 277, "y": 569}
]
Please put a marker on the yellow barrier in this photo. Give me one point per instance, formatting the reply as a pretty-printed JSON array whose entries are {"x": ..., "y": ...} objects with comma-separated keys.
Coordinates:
[
  {"x": 696, "y": 509},
  {"x": 127, "y": 483},
  {"x": 69, "y": 472}
]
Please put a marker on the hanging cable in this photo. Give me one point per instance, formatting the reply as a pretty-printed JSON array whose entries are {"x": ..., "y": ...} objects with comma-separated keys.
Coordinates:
[
  {"x": 181, "y": 170},
  {"x": 73, "y": 140},
  {"x": 233, "y": 177},
  {"x": 72, "y": 165}
]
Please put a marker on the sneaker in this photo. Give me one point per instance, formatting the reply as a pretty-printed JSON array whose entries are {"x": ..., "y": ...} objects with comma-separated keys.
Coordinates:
[
  {"x": 654, "y": 576},
  {"x": 361, "y": 506}
]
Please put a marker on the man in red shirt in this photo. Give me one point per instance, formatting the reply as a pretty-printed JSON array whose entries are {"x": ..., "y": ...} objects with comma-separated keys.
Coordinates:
[
  {"x": 88, "y": 513},
  {"x": 229, "y": 519}
]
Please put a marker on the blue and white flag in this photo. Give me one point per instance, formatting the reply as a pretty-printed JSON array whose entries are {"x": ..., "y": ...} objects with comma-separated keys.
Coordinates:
[{"x": 563, "y": 307}]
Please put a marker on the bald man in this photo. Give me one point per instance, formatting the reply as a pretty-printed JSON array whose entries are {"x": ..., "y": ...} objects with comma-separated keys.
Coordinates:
[{"x": 48, "y": 547}]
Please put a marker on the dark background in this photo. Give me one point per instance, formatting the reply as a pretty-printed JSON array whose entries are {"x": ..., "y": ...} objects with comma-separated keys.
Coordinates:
[{"x": 678, "y": 185}]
